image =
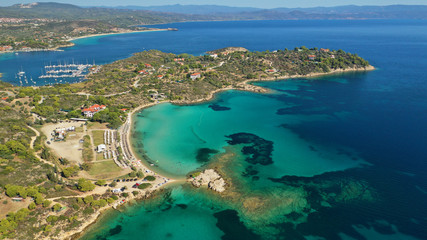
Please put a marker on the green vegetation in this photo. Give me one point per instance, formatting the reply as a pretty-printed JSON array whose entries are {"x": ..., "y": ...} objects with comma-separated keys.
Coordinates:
[
  {"x": 98, "y": 137},
  {"x": 70, "y": 171},
  {"x": 101, "y": 182},
  {"x": 85, "y": 185},
  {"x": 87, "y": 153},
  {"x": 144, "y": 185},
  {"x": 105, "y": 169},
  {"x": 124, "y": 84},
  {"x": 150, "y": 178},
  {"x": 50, "y": 25},
  {"x": 22, "y": 174}
]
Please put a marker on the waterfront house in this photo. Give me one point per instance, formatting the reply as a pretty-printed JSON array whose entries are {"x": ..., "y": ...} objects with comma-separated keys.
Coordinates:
[
  {"x": 324, "y": 50},
  {"x": 5, "y": 48}
]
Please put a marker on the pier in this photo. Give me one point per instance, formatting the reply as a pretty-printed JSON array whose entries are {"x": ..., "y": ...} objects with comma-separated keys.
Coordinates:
[{"x": 66, "y": 70}]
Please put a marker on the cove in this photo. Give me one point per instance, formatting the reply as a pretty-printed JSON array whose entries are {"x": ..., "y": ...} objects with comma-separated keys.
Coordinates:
[{"x": 348, "y": 151}]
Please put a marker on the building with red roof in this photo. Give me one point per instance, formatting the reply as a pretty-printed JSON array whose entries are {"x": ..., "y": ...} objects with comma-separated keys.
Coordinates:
[
  {"x": 195, "y": 76},
  {"x": 90, "y": 111}
]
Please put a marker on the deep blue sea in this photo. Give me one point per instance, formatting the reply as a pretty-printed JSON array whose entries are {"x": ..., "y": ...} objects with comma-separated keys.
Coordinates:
[{"x": 348, "y": 152}]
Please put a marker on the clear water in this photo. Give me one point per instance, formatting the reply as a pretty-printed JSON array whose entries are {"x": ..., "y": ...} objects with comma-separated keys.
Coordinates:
[{"x": 349, "y": 151}]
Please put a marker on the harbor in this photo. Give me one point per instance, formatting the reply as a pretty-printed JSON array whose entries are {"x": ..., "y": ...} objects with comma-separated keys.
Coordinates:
[
  {"x": 56, "y": 73},
  {"x": 66, "y": 70}
]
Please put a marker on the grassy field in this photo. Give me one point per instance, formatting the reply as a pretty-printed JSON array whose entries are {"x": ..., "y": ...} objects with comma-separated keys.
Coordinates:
[
  {"x": 99, "y": 156},
  {"x": 98, "y": 137},
  {"x": 105, "y": 170},
  {"x": 87, "y": 149},
  {"x": 96, "y": 125}
]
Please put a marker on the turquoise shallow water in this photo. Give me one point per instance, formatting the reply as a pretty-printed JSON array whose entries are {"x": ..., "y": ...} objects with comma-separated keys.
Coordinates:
[
  {"x": 191, "y": 128},
  {"x": 348, "y": 152}
]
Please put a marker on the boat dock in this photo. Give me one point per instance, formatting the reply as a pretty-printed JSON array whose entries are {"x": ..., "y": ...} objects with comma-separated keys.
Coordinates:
[{"x": 66, "y": 70}]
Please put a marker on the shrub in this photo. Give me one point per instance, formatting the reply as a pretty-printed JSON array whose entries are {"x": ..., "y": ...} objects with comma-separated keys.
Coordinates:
[
  {"x": 139, "y": 174},
  {"x": 47, "y": 228},
  {"x": 100, "y": 182},
  {"x": 46, "y": 203},
  {"x": 102, "y": 202},
  {"x": 38, "y": 198},
  {"x": 88, "y": 199},
  {"x": 32, "y": 206},
  {"x": 70, "y": 171},
  {"x": 150, "y": 178},
  {"x": 52, "y": 219},
  {"x": 56, "y": 207},
  {"x": 85, "y": 185},
  {"x": 88, "y": 211},
  {"x": 144, "y": 185}
]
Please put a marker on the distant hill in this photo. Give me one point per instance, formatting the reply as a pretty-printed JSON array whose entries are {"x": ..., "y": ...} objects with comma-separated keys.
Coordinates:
[
  {"x": 366, "y": 12},
  {"x": 192, "y": 9},
  {"x": 132, "y": 15},
  {"x": 119, "y": 17},
  {"x": 340, "y": 12}
]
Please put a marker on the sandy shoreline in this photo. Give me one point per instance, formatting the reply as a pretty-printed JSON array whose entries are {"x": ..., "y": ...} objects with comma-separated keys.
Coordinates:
[
  {"x": 70, "y": 43},
  {"x": 117, "y": 33},
  {"x": 245, "y": 86}
]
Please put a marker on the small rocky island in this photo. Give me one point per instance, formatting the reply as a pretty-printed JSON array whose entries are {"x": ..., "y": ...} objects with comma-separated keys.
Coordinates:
[{"x": 209, "y": 178}]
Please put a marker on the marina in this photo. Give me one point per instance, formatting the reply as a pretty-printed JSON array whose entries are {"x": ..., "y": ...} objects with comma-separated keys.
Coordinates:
[
  {"x": 56, "y": 73},
  {"x": 66, "y": 70}
]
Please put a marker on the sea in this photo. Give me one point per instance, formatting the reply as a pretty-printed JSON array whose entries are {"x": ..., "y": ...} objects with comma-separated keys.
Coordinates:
[{"x": 333, "y": 157}]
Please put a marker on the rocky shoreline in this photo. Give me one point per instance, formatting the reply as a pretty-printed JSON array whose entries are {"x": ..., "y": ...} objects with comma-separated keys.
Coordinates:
[{"x": 209, "y": 178}]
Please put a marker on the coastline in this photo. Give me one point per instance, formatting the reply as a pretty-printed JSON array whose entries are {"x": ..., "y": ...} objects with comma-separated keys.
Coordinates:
[
  {"x": 125, "y": 131},
  {"x": 71, "y": 44},
  {"x": 246, "y": 86},
  {"x": 117, "y": 33}
]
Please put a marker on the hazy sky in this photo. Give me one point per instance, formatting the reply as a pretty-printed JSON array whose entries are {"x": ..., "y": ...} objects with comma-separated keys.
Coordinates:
[{"x": 240, "y": 3}]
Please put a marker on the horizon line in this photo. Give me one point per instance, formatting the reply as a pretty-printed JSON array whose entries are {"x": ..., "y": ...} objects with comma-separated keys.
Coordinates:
[{"x": 115, "y": 6}]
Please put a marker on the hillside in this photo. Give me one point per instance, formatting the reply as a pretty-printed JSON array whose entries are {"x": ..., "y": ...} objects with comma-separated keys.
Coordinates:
[{"x": 340, "y": 12}]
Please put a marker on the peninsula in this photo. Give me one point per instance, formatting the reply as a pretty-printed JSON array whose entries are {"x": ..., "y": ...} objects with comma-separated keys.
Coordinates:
[{"x": 65, "y": 153}]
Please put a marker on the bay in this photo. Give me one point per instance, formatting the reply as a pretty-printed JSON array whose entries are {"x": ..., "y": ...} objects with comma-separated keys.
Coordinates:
[{"x": 349, "y": 150}]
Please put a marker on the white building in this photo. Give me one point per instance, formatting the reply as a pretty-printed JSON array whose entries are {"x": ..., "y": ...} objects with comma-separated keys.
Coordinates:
[
  {"x": 195, "y": 76},
  {"x": 101, "y": 148}
]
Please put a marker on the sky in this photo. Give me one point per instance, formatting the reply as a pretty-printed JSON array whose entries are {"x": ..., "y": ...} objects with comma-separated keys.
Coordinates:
[{"x": 237, "y": 3}]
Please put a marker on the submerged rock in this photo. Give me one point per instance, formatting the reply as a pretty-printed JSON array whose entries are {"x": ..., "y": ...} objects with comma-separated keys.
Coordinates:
[
  {"x": 258, "y": 150},
  {"x": 211, "y": 179},
  {"x": 217, "y": 107}
]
